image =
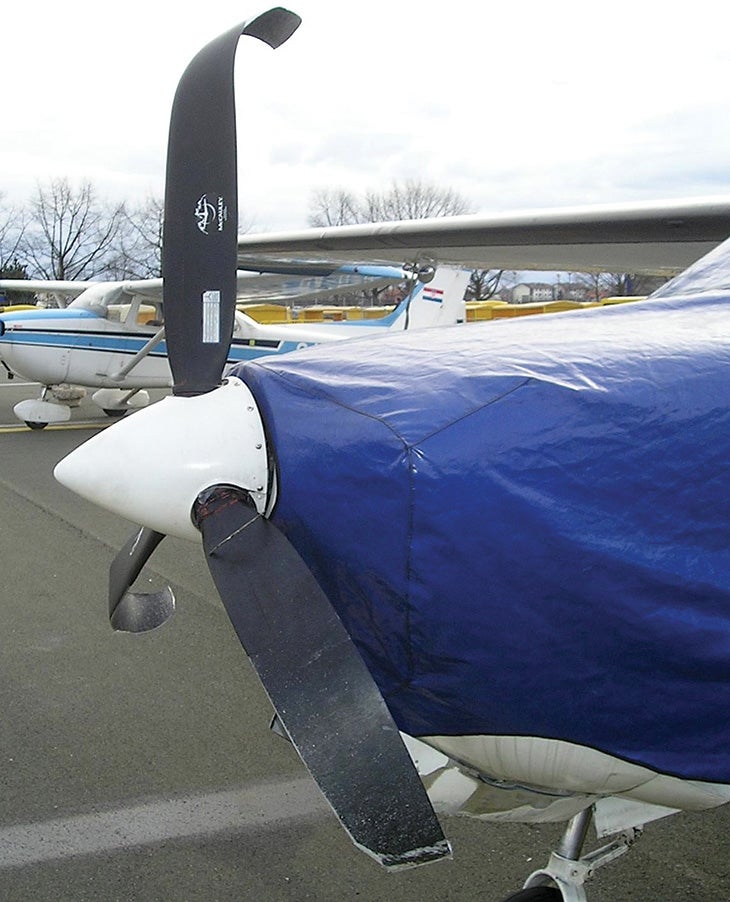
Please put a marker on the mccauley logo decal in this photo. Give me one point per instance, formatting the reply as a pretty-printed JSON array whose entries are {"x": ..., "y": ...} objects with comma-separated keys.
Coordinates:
[{"x": 211, "y": 215}]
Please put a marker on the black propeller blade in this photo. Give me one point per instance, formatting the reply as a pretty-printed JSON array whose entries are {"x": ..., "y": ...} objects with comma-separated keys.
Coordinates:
[
  {"x": 198, "y": 256},
  {"x": 325, "y": 697},
  {"x": 132, "y": 612},
  {"x": 201, "y": 208}
]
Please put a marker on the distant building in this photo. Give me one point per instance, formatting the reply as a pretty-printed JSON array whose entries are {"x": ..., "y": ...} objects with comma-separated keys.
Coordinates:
[
  {"x": 571, "y": 291},
  {"x": 532, "y": 293}
]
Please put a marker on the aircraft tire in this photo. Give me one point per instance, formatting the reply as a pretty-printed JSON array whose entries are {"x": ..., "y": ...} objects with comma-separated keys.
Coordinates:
[
  {"x": 114, "y": 411},
  {"x": 536, "y": 894},
  {"x": 35, "y": 425}
]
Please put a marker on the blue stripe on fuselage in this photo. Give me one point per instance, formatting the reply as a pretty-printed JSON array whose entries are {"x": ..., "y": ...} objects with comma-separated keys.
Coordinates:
[{"x": 122, "y": 343}]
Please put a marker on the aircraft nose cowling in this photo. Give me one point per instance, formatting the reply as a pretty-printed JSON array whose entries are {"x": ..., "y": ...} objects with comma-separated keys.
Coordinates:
[{"x": 151, "y": 466}]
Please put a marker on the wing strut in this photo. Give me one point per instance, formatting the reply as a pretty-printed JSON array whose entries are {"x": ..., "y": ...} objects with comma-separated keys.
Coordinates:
[{"x": 140, "y": 355}]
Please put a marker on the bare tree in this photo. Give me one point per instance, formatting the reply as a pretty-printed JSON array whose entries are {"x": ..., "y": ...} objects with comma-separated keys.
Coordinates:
[
  {"x": 140, "y": 241},
  {"x": 413, "y": 199},
  {"x": 12, "y": 229},
  {"x": 72, "y": 234},
  {"x": 632, "y": 283},
  {"x": 607, "y": 284},
  {"x": 484, "y": 284},
  {"x": 333, "y": 208}
]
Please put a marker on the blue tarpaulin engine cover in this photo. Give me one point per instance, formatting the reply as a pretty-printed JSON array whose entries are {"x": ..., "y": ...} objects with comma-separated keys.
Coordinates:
[{"x": 525, "y": 524}]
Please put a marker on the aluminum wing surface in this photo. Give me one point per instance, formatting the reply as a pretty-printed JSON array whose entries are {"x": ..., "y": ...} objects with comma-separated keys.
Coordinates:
[
  {"x": 298, "y": 282},
  {"x": 70, "y": 288},
  {"x": 661, "y": 238}
]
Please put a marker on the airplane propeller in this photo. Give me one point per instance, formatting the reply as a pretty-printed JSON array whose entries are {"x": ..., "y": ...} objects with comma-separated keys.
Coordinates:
[
  {"x": 199, "y": 242},
  {"x": 207, "y": 469}
]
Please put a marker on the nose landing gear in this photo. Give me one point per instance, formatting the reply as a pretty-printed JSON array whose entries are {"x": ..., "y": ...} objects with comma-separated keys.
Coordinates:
[{"x": 562, "y": 879}]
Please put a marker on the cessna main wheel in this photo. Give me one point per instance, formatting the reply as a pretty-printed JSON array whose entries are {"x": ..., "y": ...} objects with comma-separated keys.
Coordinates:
[
  {"x": 32, "y": 425},
  {"x": 115, "y": 411}
]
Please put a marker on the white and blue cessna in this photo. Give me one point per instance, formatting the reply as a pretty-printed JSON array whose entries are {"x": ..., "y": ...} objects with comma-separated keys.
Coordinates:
[{"x": 111, "y": 337}]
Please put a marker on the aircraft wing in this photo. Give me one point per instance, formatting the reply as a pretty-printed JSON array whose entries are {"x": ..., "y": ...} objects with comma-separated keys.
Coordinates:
[
  {"x": 52, "y": 286},
  {"x": 659, "y": 237},
  {"x": 280, "y": 280},
  {"x": 267, "y": 279}
]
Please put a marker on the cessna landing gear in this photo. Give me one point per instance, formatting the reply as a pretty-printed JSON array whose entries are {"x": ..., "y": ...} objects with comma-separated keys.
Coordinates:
[
  {"x": 39, "y": 412},
  {"x": 562, "y": 879},
  {"x": 115, "y": 402}
]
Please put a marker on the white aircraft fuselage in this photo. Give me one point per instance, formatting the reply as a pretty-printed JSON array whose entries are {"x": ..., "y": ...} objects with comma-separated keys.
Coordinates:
[{"x": 84, "y": 348}]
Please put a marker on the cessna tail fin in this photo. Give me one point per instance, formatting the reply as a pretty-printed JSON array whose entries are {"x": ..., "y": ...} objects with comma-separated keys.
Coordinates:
[{"x": 439, "y": 302}]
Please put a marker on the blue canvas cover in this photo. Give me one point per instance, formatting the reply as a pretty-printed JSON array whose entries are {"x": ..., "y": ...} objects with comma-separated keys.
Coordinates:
[{"x": 525, "y": 524}]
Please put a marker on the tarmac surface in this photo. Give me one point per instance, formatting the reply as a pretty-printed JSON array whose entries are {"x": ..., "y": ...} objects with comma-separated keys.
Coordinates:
[{"x": 142, "y": 768}]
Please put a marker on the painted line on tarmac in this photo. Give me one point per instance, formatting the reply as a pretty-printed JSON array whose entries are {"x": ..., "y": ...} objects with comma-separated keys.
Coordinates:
[
  {"x": 57, "y": 427},
  {"x": 255, "y": 806}
]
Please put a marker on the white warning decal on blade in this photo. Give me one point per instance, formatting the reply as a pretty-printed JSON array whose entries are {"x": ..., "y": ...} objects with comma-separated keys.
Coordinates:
[{"x": 211, "y": 317}]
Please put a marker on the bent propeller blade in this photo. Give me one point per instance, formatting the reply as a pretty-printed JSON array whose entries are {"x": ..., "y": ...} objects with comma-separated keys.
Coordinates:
[
  {"x": 137, "y": 612},
  {"x": 323, "y": 693},
  {"x": 201, "y": 207}
]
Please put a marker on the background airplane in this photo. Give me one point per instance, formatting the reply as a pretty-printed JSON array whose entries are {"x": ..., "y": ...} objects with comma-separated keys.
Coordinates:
[
  {"x": 359, "y": 509},
  {"x": 111, "y": 336}
]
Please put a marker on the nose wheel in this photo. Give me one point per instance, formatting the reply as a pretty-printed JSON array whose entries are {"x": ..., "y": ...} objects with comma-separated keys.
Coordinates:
[
  {"x": 115, "y": 402},
  {"x": 562, "y": 879}
]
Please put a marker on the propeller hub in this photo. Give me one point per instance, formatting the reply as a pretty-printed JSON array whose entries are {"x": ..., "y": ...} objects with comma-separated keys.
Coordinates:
[{"x": 151, "y": 466}]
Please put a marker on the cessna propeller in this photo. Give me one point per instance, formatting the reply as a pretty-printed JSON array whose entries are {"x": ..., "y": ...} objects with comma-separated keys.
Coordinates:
[{"x": 212, "y": 477}]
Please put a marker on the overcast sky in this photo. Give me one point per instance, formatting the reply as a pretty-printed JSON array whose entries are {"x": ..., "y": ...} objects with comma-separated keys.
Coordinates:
[{"x": 533, "y": 104}]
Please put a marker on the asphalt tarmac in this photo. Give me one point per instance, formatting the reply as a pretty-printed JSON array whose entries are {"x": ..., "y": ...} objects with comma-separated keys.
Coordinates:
[{"x": 142, "y": 768}]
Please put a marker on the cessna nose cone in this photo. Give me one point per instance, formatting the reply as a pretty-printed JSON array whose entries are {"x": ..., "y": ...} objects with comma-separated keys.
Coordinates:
[{"x": 151, "y": 466}]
